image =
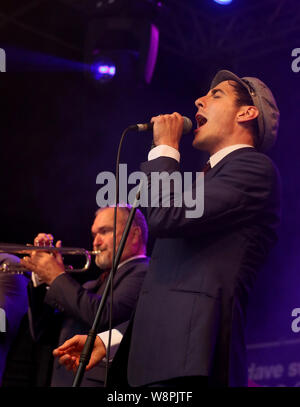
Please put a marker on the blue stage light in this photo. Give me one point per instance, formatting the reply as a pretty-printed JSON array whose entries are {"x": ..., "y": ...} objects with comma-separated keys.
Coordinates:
[
  {"x": 223, "y": 2},
  {"x": 103, "y": 71}
]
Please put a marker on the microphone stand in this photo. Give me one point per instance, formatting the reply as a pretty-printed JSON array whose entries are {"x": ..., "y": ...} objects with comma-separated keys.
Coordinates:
[{"x": 89, "y": 343}]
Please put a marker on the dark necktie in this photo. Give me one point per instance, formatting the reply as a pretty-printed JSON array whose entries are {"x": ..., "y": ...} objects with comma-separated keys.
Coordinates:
[{"x": 207, "y": 167}]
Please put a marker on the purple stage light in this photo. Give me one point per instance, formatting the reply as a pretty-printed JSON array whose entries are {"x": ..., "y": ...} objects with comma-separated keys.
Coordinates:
[
  {"x": 112, "y": 70},
  {"x": 103, "y": 71},
  {"x": 107, "y": 70},
  {"x": 152, "y": 55},
  {"x": 223, "y": 2}
]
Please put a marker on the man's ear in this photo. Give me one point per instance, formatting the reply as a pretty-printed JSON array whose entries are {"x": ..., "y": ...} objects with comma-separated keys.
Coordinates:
[
  {"x": 247, "y": 113},
  {"x": 136, "y": 234}
]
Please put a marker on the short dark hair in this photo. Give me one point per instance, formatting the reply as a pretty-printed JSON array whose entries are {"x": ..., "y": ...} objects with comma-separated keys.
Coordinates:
[{"x": 243, "y": 98}]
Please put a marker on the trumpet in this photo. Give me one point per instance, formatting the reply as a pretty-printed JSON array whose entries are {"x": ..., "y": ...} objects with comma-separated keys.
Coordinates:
[{"x": 15, "y": 268}]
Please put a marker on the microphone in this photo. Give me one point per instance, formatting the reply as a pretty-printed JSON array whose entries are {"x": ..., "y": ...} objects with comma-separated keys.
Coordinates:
[{"x": 187, "y": 126}]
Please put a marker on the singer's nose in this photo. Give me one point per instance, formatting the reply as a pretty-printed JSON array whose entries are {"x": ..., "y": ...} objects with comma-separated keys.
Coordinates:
[{"x": 199, "y": 102}]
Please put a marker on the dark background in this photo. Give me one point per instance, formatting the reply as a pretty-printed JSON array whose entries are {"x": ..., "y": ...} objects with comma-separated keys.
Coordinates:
[{"x": 58, "y": 130}]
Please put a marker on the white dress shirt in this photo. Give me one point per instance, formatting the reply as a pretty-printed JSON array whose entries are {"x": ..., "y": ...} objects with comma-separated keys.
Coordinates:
[{"x": 168, "y": 151}]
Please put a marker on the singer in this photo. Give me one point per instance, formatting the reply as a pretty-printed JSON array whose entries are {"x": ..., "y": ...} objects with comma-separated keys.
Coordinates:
[
  {"x": 190, "y": 317},
  {"x": 189, "y": 323}
]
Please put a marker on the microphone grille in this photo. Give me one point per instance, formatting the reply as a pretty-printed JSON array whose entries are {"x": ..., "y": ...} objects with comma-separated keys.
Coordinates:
[{"x": 187, "y": 125}]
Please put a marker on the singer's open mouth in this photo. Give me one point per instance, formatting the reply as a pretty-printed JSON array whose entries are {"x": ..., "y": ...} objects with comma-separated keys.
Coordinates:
[{"x": 201, "y": 120}]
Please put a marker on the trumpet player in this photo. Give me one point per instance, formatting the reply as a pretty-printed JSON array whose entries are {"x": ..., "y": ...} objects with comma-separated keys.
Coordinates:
[{"x": 64, "y": 305}]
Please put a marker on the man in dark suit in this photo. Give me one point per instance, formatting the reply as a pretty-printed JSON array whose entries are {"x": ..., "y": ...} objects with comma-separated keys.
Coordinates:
[
  {"x": 202, "y": 269},
  {"x": 74, "y": 305},
  {"x": 189, "y": 323}
]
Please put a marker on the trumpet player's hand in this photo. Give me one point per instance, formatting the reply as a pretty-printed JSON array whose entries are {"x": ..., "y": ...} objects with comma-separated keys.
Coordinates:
[
  {"x": 47, "y": 266},
  {"x": 45, "y": 239},
  {"x": 69, "y": 352}
]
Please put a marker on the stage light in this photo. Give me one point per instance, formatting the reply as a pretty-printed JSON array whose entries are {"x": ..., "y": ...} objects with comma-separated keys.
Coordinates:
[
  {"x": 103, "y": 70},
  {"x": 106, "y": 70},
  {"x": 223, "y": 2},
  {"x": 125, "y": 32}
]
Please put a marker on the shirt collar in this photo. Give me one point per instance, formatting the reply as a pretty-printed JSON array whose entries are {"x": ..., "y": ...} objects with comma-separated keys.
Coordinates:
[
  {"x": 141, "y": 256},
  {"x": 216, "y": 157}
]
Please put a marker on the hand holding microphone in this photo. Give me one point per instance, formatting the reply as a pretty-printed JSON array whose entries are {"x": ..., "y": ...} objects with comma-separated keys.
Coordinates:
[{"x": 167, "y": 129}]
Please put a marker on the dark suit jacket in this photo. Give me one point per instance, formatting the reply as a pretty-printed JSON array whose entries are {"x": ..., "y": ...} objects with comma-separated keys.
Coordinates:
[
  {"x": 75, "y": 305},
  {"x": 191, "y": 313},
  {"x": 13, "y": 300}
]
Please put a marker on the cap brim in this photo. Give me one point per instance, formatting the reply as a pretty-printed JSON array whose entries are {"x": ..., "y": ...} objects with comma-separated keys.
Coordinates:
[{"x": 224, "y": 75}]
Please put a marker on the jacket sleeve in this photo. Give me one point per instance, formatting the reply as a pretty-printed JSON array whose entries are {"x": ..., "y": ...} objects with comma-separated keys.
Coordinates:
[
  {"x": 243, "y": 189},
  {"x": 75, "y": 301}
]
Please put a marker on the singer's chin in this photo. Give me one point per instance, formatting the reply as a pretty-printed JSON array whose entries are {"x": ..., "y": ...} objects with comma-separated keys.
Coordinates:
[
  {"x": 197, "y": 142},
  {"x": 201, "y": 141}
]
